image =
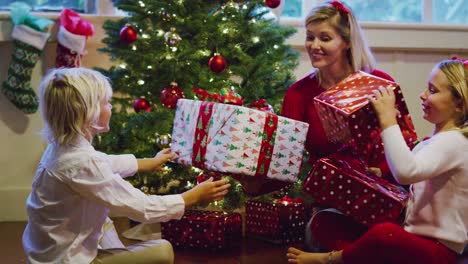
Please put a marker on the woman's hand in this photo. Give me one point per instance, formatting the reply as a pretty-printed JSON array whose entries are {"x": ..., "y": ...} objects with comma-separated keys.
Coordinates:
[
  {"x": 374, "y": 170},
  {"x": 206, "y": 191},
  {"x": 383, "y": 102}
]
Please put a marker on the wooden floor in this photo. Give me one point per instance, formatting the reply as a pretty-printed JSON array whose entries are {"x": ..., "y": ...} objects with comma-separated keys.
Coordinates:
[{"x": 251, "y": 251}]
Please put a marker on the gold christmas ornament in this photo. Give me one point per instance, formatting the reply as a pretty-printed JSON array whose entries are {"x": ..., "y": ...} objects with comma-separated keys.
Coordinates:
[
  {"x": 172, "y": 37},
  {"x": 163, "y": 141}
]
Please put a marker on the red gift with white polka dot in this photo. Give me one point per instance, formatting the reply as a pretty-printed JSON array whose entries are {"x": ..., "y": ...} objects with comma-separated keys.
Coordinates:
[
  {"x": 278, "y": 221},
  {"x": 210, "y": 230},
  {"x": 342, "y": 183},
  {"x": 348, "y": 117}
]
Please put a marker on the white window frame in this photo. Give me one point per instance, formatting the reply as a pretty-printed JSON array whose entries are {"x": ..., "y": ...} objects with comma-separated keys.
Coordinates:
[
  {"x": 424, "y": 36},
  {"x": 308, "y": 4}
]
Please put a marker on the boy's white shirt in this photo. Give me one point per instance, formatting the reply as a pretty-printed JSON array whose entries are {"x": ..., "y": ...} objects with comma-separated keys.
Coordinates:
[
  {"x": 109, "y": 236},
  {"x": 73, "y": 190},
  {"x": 438, "y": 169}
]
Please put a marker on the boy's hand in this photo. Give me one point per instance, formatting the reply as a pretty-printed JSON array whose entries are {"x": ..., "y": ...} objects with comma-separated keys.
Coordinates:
[
  {"x": 383, "y": 102},
  {"x": 152, "y": 164},
  {"x": 207, "y": 191},
  {"x": 164, "y": 156}
]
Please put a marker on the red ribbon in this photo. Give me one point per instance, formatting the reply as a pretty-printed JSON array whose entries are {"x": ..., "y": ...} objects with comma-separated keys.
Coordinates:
[
  {"x": 201, "y": 134},
  {"x": 225, "y": 96},
  {"x": 340, "y": 7},
  {"x": 204, "y": 95},
  {"x": 268, "y": 143},
  {"x": 259, "y": 103}
]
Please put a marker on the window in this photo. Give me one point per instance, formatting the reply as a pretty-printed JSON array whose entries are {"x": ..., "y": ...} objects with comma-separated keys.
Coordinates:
[
  {"x": 82, "y": 6},
  {"x": 409, "y": 11},
  {"x": 450, "y": 11}
]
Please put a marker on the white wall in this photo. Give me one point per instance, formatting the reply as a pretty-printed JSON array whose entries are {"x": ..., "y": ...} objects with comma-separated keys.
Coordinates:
[
  {"x": 407, "y": 53},
  {"x": 20, "y": 145}
]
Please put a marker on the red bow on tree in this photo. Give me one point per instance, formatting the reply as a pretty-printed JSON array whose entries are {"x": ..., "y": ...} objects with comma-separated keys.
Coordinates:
[
  {"x": 338, "y": 5},
  {"x": 465, "y": 62}
]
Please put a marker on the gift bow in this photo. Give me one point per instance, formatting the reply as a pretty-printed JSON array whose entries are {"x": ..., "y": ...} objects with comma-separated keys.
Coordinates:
[
  {"x": 465, "y": 62},
  {"x": 204, "y": 94},
  {"x": 225, "y": 96}
]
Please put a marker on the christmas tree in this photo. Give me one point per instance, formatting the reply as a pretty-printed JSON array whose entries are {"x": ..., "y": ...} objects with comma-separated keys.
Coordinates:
[{"x": 164, "y": 49}]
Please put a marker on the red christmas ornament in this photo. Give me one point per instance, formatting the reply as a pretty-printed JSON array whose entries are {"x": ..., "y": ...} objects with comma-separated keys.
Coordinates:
[
  {"x": 217, "y": 63},
  {"x": 141, "y": 104},
  {"x": 128, "y": 34},
  {"x": 272, "y": 3},
  {"x": 170, "y": 95}
]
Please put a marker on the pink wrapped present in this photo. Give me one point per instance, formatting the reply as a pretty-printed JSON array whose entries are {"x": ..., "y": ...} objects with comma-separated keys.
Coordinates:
[
  {"x": 343, "y": 183},
  {"x": 348, "y": 117}
]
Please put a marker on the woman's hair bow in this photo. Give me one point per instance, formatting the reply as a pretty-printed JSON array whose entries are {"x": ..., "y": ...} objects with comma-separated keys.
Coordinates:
[
  {"x": 465, "y": 62},
  {"x": 338, "y": 5}
]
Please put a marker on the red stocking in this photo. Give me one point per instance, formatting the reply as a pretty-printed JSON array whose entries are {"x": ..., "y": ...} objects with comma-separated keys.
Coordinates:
[{"x": 72, "y": 36}]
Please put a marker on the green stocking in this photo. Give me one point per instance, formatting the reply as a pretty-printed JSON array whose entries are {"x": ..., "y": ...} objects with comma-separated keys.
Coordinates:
[{"x": 28, "y": 45}]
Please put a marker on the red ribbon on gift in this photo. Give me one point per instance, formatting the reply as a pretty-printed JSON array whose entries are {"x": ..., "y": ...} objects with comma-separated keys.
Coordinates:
[
  {"x": 201, "y": 134},
  {"x": 230, "y": 97},
  {"x": 225, "y": 96},
  {"x": 268, "y": 143},
  {"x": 205, "y": 95},
  {"x": 261, "y": 105}
]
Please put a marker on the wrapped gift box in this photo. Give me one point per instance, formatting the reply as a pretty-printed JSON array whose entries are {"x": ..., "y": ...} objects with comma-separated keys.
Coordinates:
[
  {"x": 211, "y": 230},
  {"x": 343, "y": 183},
  {"x": 278, "y": 221},
  {"x": 238, "y": 140},
  {"x": 349, "y": 118}
]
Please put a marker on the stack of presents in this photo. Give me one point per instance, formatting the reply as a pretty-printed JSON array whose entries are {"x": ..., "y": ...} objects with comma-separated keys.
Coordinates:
[{"x": 264, "y": 151}]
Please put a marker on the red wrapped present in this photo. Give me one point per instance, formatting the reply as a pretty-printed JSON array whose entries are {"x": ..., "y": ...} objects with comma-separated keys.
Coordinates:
[
  {"x": 280, "y": 221},
  {"x": 343, "y": 183},
  {"x": 348, "y": 117},
  {"x": 212, "y": 230}
]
